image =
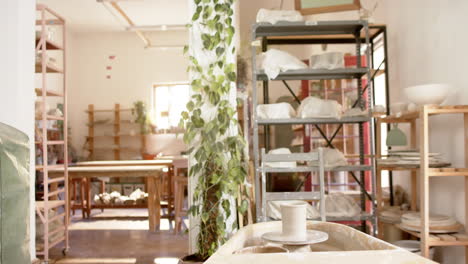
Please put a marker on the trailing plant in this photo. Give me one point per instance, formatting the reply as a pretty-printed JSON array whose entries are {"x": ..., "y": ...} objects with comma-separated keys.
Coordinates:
[
  {"x": 211, "y": 127},
  {"x": 142, "y": 118}
]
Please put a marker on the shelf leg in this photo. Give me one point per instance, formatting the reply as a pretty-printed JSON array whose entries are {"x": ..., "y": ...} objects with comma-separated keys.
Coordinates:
[
  {"x": 465, "y": 119},
  {"x": 414, "y": 179},
  {"x": 414, "y": 190},
  {"x": 424, "y": 182}
]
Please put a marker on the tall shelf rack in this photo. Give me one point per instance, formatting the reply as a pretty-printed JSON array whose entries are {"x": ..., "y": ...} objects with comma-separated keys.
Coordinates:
[
  {"x": 322, "y": 32},
  {"x": 53, "y": 208}
]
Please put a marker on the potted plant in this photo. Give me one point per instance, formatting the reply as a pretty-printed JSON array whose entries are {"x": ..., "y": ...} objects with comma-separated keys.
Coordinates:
[
  {"x": 216, "y": 146},
  {"x": 139, "y": 109}
]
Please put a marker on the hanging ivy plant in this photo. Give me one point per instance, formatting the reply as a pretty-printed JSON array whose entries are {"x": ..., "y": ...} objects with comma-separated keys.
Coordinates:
[{"x": 211, "y": 127}]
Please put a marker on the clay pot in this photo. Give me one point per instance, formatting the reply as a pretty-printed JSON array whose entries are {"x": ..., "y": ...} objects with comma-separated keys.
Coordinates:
[{"x": 294, "y": 217}]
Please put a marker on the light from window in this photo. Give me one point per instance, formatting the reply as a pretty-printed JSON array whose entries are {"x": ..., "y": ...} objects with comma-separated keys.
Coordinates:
[{"x": 168, "y": 103}]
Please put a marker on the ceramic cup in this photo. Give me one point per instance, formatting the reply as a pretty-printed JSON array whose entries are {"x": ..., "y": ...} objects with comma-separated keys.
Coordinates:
[{"x": 294, "y": 217}]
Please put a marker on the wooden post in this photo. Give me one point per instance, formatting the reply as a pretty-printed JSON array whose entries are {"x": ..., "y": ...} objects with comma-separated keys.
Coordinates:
[
  {"x": 414, "y": 179},
  {"x": 424, "y": 181},
  {"x": 91, "y": 131},
  {"x": 117, "y": 131}
]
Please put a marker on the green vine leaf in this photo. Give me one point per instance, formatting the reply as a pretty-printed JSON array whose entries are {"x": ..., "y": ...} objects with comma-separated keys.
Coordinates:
[{"x": 220, "y": 165}]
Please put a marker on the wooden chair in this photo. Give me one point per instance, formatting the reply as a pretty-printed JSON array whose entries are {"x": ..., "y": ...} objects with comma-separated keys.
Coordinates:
[
  {"x": 180, "y": 185},
  {"x": 83, "y": 201}
]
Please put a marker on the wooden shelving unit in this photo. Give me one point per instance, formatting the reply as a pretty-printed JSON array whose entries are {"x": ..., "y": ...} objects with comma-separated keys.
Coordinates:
[
  {"x": 426, "y": 172},
  {"x": 53, "y": 206},
  {"x": 116, "y": 137}
]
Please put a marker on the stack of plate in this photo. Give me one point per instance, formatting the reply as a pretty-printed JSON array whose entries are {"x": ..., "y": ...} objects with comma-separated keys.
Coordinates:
[
  {"x": 412, "y": 157},
  {"x": 391, "y": 215},
  {"x": 437, "y": 223}
]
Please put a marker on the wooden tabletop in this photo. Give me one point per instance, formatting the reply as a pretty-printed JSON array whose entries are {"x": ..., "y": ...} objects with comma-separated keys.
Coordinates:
[
  {"x": 124, "y": 162},
  {"x": 165, "y": 160},
  {"x": 110, "y": 169}
]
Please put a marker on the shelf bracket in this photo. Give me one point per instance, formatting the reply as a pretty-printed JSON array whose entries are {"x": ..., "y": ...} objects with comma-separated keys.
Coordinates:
[
  {"x": 362, "y": 187},
  {"x": 292, "y": 92}
]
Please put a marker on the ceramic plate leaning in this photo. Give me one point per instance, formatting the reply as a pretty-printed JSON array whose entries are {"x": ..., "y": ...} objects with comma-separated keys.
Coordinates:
[{"x": 313, "y": 237}]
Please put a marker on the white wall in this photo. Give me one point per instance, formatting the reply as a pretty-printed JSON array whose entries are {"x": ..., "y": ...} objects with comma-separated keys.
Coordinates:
[
  {"x": 427, "y": 43},
  {"x": 17, "y": 18},
  {"x": 134, "y": 71}
]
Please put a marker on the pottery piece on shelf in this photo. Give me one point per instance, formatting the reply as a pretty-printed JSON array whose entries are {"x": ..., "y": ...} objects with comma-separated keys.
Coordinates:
[{"x": 434, "y": 93}]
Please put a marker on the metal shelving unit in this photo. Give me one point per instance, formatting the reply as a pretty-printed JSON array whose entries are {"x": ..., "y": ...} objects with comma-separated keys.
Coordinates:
[
  {"x": 53, "y": 208},
  {"x": 326, "y": 32}
]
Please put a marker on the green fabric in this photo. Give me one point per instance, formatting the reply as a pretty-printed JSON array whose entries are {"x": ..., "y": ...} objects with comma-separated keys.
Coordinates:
[{"x": 14, "y": 196}]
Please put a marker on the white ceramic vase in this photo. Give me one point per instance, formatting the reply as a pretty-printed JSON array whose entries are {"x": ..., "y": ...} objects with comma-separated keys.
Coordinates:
[{"x": 294, "y": 217}]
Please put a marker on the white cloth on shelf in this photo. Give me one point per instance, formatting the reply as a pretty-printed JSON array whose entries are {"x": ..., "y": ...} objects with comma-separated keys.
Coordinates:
[
  {"x": 332, "y": 158},
  {"x": 329, "y": 61},
  {"x": 274, "y": 16},
  {"x": 275, "y": 61},
  {"x": 341, "y": 205},
  {"x": 275, "y": 111},
  {"x": 282, "y": 164},
  {"x": 313, "y": 107}
]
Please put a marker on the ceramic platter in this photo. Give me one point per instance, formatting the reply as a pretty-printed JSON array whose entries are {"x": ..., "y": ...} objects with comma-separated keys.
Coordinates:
[
  {"x": 411, "y": 154},
  {"x": 313, "y": 237},
  {"x": 438, "y": 230}
]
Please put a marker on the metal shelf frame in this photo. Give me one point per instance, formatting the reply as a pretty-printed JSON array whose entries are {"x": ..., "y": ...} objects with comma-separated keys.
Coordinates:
[{"x": 322, "y": 32}]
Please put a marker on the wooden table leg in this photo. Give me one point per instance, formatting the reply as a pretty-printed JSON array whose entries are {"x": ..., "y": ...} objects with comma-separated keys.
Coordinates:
[
  {"x": 151, "y": 197},
  {"x": 158, "y": 194},
  {"x": 154, "y": 202},
  {"x": 88, "y": 197},
  {"x": 170, "y": 199},
  {"x": 83, "y": 196}
]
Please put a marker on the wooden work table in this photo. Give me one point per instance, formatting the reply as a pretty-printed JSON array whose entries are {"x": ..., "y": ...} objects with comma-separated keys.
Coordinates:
[
  {"x": 151, "y": 172},
  {"x": 166, "y": 161}
]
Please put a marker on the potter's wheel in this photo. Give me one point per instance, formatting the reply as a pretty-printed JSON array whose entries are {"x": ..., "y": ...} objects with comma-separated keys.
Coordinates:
[{"x": 313, "y": 237}]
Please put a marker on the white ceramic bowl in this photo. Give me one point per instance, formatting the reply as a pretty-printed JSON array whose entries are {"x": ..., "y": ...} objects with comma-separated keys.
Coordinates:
[{"x": 434, "y": 93}]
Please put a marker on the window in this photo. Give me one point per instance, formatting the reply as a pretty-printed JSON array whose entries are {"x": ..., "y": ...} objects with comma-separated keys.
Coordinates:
[
  {"x": 380, "y": 97},
  {"x": 169, "y": 100}
]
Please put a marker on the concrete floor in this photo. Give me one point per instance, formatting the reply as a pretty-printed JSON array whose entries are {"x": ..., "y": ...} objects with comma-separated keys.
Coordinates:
[{"x": 98, "y": 243}]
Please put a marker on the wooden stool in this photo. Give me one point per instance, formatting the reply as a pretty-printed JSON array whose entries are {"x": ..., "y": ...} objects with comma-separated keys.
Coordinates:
[
  {"x": 76, "y": 203},
  {"x": 84, "y": 201},
  {"x": 180, "y": 183}
]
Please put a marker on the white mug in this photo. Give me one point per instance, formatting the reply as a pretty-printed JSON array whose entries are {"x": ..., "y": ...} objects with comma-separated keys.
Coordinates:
[{"x": 294, "y": 217}]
